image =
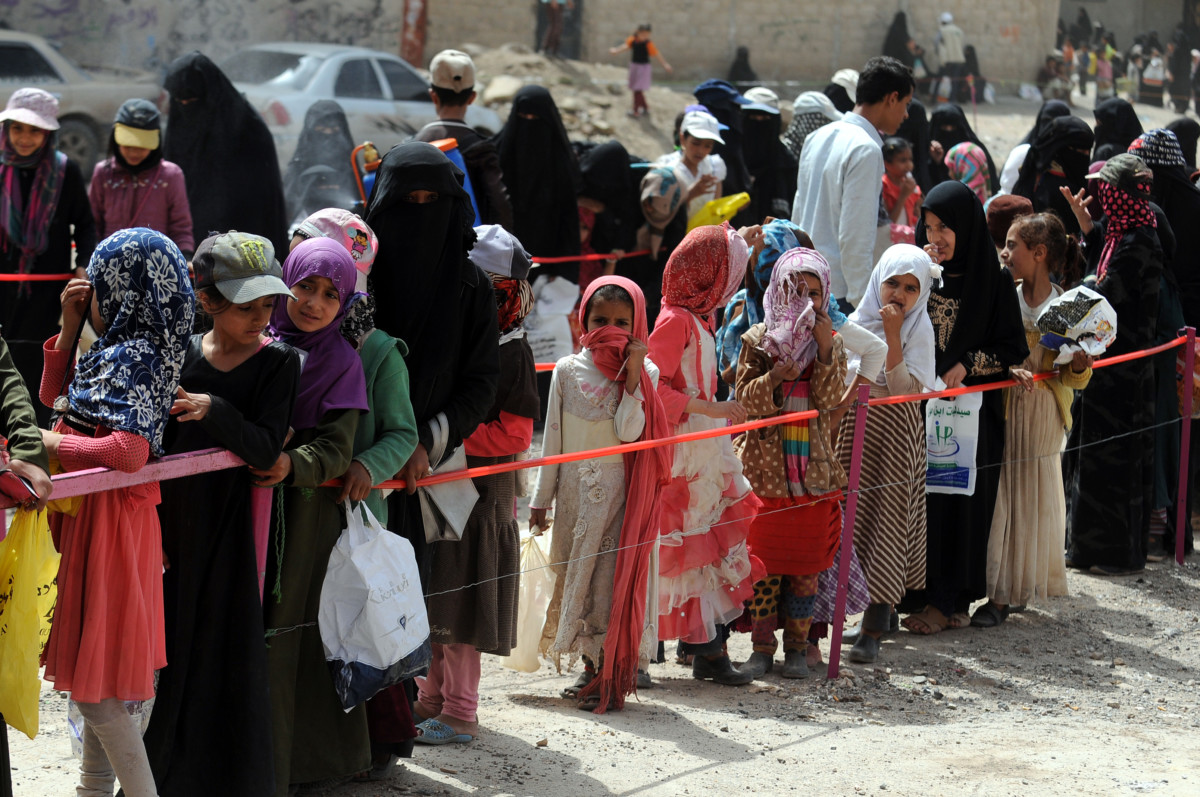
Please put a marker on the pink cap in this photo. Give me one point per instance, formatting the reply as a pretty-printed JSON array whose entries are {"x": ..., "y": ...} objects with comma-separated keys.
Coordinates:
[{"x": 349, "y": 230}]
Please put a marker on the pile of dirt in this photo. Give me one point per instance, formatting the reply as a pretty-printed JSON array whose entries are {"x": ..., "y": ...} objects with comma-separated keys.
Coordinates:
[{"x": 593, "y": 98}]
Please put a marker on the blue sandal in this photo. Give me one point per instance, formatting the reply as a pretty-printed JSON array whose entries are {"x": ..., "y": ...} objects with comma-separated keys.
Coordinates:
[{"x": 437, "y": 732}]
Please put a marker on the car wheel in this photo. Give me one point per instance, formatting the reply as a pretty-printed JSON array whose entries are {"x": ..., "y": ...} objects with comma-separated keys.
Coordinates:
[{"x": 77, "y": 140}]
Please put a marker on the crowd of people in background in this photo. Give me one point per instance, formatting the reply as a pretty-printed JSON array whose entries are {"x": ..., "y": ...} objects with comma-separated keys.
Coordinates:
[{"x": 880, "y": 246}]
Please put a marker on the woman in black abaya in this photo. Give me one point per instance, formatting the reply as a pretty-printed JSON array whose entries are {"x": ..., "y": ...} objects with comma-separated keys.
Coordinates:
[
  {"x": 949, "y": 126},
  {"x": 1117, "y": 124},
  {"x": 320, "y": 174},
  {"x": 543, "y": 180},
  {"x": 1057, "y": 159},
  {"x": 226, "y": 153},
  {"x": 978, "y": 335}
]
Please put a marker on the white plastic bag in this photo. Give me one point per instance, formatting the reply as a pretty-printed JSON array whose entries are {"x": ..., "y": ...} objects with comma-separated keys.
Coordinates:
[
  {"x": 372, "y": 615},
  {"x": 1080, "y": 319},
  {"x": 537, "y": 587},
  {"x": 952, "y": 433}
]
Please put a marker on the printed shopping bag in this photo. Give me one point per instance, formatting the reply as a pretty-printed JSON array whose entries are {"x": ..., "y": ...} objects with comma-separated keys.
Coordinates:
[
  {"x": 372, "y": 615},
  {"x": 951, "y": 434},
  {"x": 28, "y": 569},
  {"x": 537, "y": 587}
]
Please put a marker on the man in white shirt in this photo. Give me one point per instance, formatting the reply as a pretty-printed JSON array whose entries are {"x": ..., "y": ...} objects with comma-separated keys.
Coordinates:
[{"x": 841, "y": 177}]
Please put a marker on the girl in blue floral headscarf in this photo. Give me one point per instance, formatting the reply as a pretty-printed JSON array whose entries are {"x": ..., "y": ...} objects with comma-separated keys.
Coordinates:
[{"x": 108, "y": 638}]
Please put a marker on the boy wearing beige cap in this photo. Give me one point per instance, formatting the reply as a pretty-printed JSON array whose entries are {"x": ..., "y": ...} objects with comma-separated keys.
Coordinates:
[{"x": 452, "y": 89}]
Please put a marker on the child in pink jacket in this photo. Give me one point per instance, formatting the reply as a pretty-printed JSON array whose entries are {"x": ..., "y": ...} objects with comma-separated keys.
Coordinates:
[{"x": 135, "y": 187}]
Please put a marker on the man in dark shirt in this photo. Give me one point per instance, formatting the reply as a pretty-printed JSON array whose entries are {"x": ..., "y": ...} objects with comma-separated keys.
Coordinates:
[{"x": 453, "y": 90}]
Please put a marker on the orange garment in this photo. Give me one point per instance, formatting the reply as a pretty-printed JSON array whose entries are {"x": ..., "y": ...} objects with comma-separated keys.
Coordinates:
[
  {"x": 795, "y": 536},
  {"x": 651, "y": 50},
  {"x": 891, "y": 194}
]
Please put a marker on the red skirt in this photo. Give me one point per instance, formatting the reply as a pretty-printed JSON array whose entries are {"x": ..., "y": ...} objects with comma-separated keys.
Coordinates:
[{"x": 797, "y": 536}]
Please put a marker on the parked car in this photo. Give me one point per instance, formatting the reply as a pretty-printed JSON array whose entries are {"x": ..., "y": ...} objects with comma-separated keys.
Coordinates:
[
  {"x": 385, "y": 99},
  {"x": 88, "y": 99}
]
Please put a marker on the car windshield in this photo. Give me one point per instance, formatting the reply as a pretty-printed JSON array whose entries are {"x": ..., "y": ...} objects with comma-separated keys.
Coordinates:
[{"x": 273, "y": 68}]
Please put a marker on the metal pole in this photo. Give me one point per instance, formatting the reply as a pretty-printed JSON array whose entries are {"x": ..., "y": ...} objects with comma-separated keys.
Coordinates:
[
  {"x": 847, "y": 548},
  {"x": 1185, "y": 442}
]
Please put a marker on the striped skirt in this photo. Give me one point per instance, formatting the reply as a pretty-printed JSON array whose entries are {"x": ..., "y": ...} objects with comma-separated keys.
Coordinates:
[{"x": 889, "y": 524}]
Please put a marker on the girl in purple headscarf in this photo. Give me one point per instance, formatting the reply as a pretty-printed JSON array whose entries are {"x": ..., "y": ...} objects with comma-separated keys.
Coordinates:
[{"x": 314, "y": 740}]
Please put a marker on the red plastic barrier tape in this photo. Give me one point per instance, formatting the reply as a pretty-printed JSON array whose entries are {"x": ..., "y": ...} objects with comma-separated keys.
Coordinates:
[
  {"x": 35, "y": 277},
  {"x": 574, "y": 258}
]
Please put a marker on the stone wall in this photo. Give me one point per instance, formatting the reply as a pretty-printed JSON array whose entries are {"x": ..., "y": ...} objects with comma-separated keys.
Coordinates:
[
  {"x": 799, "y": 40},
  {"x": 148, "y": 34}
]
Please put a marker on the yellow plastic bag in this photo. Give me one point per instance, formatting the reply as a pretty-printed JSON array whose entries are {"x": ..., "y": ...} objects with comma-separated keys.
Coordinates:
[
  {"x": 28, "y": 569},
  {"x": 718, "y": 210}
]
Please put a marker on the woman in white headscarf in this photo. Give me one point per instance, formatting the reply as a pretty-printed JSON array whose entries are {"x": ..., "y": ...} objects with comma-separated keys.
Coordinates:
[{"x": 889, "y": 527}]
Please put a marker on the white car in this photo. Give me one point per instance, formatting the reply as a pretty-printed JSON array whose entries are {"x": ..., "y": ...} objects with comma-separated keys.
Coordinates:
[
  {"x": 88, "y": 99},
  {"x": 384, "y": 98}
]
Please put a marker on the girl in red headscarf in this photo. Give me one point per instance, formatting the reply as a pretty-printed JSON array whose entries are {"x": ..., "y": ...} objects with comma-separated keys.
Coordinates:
[
  {"x": 705, "y": 569},
  {"x": 607, "y": 508}
]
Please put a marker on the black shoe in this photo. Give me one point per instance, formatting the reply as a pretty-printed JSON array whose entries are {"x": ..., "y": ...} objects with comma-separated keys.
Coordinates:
[
  {"x": 758, "y": 665},
  {"x": 865, "y": 650},
  {"x": 719, "y": 670},
  {"x": 794, "y": 664}
]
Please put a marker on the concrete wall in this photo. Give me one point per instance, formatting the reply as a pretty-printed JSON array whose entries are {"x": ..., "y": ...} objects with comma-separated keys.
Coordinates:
[{"x": 804, "y": 40}]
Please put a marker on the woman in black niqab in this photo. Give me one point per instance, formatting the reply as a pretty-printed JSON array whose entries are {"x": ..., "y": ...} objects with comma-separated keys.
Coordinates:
[
  {"x": 741, "y": 74},
  {"x": 977, "y": 324},
  {"x": 772, "y": 167},
  {"x": 1117, "y": 124},
  {"x": 915, "y": 130},
  {"x": 325, "y": 141},
  {"x": 896, "y": 43},
  {"x": 1187, "y": 132},
  {"x": 949, "y": 126},
  {"x": 1058, "y": 158},
  {"x": 226, "y": 153},
  {"x": 543, "y": 179},
  {"x": 1050, "y": 110},
  {"x": 608, "y": 179}
]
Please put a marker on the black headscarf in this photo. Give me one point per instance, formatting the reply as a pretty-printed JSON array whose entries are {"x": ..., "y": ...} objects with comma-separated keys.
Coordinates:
[
  {"x": 225, "y": 151},
  {"x": 1067, "y": 141},
  {"x": 740, "y": 71},
  {"x": 1187, "y": 131},
  {"x": 840, "y": 97},
  {"x": 318, "y": 148},
  {"x": 949, "y": 126},
  {"x": 1050, "y": 110},
  {"x": 608, "y": 178},
  {"x": 543, "y": 179},
  {"x": 988, "y": 314},
  {"x": 772, "y": 167},
  {"x": 896, "y": 42},
  {"x": 422, "y": 260},
  {"x": 1117, "y": 124},
  {"x": 915, "y": 130}
]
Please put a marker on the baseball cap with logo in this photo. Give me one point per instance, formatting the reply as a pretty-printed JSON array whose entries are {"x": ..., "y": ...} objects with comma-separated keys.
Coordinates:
[
  {"x": 1126, "y": 172},
  {"x": 699, "y": 124},
  {"x": 453, "y": 70},
  {"x": 241, "y": 266}
]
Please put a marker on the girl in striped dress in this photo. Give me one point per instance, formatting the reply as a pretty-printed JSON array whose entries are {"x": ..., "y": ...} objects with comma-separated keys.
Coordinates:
[{"x": 889, "y": 526}]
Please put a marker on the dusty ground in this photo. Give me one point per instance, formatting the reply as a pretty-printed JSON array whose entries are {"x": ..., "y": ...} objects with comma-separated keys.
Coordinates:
[{"x": 1089, "y": 694}]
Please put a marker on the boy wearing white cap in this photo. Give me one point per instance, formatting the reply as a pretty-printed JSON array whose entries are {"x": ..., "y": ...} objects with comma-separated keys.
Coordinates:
[
  {"x": 699, "y": 172},
  {"x": 452, "y": 89}
]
